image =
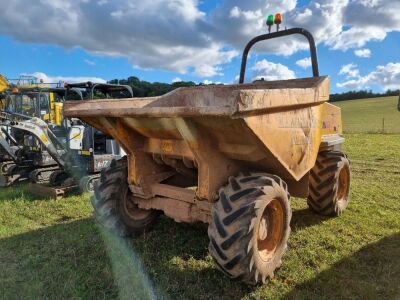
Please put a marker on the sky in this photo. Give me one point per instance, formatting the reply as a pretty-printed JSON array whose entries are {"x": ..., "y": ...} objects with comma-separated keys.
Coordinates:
[{"x": 358, "y": 41}]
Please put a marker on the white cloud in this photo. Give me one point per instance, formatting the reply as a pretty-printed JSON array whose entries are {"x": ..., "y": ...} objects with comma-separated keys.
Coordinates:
[
  {"x": 304, "y": 63},
  {"x": 171, "y": 35},
  {"x": 178, "y": 36},
  {"x": 366, "y": 53},
  {"x": 70, "y": 79},
  {"x": 357, "y": 37},
  {"x": 89, "y": 62},
  {"x": 386, "y": 77},
  {"x": 339, "y": 24},
  {"x": 176, "y": 79},
  {"x": 364, "y": 21},
  {"x": 350, "y": 70},
  {"x": 206, "y": 81},
  {"x": 271, "y": 71}
]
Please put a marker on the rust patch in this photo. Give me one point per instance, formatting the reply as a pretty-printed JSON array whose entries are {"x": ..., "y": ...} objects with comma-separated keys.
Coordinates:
[{"x": 167, "y": 146}]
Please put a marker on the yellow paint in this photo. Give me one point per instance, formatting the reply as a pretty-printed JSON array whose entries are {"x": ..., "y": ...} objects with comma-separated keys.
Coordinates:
[
  {"x": 292, "y": 136},
  {"x": 166, "y": 146},
  {"x": 4, "y": 85},
  {"x": 46, "y": 117},
  {"x": 77, "y": 136},
  {"x": 44, "y": 138},
  {"x": 58, "y": 116},
  {"x": 51, "y": 117},
  {"x": 332, "y": 120}
]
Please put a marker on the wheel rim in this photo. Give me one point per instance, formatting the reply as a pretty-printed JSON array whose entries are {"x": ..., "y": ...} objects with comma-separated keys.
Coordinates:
[
  {"x": 89, "y": 186},
  {"x": 270, "y": 230},
  {"x": 132, "y": 210},
  {"x": 343, "y": 184}
]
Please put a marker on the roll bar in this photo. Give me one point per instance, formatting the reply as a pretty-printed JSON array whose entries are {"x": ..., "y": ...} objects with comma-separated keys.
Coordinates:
[
  {"x": 103, "y": 87},
  {"x": 268, "y": 36}
]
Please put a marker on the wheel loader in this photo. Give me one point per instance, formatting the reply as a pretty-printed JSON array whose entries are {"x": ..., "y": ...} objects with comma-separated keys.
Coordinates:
[
  {"x": 86, "y": 150},
  {"x": 230, "y": 156}
]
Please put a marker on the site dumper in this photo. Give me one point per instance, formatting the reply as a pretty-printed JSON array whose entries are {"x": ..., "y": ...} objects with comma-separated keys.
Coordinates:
[{"x": 227, "y": 155}]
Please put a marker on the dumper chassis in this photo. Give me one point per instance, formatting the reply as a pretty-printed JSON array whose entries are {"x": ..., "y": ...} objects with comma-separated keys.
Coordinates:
[{"x": 245, "y": 148}]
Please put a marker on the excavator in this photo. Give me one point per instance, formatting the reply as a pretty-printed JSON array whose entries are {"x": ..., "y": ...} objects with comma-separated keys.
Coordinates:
[
  {"x": 85, "y": 150},
  {"x": 23, "y": 155},
  {"x": 40, "y": 145},
  {"x": 8, "y": 144}
]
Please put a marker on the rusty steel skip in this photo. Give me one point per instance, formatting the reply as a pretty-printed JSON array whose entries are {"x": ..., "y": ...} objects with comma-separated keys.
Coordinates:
[{"x": 249, "y": 143}]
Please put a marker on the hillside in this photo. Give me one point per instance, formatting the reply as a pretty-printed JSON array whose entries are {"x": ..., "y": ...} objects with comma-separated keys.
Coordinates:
[{"x": 366, "y": 115}]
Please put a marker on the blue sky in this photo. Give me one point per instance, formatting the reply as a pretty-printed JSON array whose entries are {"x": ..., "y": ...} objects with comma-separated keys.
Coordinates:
[{"x": 201, "y": 41}]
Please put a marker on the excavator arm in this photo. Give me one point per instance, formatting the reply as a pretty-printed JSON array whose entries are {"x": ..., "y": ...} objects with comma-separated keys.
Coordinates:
[
  {"x": 39, "y": 129},
  {"x": 6, "y": 146}
]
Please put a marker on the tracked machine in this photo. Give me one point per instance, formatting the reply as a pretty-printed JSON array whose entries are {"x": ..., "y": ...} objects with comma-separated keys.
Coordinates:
[
  {"x": 26, "y": 111},
  {"x": 86, "y": 150}
]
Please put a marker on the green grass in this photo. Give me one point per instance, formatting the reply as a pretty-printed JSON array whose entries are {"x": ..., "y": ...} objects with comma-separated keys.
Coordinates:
[
  {"x": 53, "y": 248},
  {"x": 367, "y": 115}
]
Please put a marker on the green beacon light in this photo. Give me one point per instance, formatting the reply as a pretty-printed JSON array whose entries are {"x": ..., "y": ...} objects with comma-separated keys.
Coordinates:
[{"x": 270, "y": 22}]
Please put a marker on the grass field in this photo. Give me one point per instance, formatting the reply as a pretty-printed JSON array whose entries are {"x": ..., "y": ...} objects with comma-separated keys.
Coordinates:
[
  {"x": 53, "y": 249},
  {"x": 367, "y": 115}
]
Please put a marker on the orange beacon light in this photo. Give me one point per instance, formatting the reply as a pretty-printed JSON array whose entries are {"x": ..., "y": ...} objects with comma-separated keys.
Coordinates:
[{"x": 278, "y": 20}]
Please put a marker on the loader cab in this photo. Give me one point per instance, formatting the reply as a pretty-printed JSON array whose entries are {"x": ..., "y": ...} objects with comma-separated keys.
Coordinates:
[
  {"x": 94, "y": 149},
  {"x": 27, "y": 103}
]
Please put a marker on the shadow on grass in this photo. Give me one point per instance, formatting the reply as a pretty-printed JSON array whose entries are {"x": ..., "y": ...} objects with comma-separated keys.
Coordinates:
[
  {"x": 176, "y": 258},
  {"x": 63, "y": 261},
  {"x": 77, "y": 260},
  {"x": 303, "y": 218},
  {"x": 17, "y": 191},
  {"x": 373, "y": 272}
]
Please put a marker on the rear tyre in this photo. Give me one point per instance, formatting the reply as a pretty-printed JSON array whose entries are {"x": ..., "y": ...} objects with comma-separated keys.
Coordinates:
[
  {"x": 113, "y": 203},
  {"x": 250, "y": 227},
  {"x": 329, "y": 184}
]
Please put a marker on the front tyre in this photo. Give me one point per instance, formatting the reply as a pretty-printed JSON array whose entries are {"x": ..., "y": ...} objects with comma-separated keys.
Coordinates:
[
  {"x": 250, "y": 227},
  {"x": 113, "y": 203}
]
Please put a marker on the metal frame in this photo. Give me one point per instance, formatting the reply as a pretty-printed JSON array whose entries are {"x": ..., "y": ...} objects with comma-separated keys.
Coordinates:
[
  {"x": 106, "y": 88},
  {"x": 268, "y": 36}
]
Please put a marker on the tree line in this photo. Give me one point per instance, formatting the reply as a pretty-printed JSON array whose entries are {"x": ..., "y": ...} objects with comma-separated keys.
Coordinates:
[{"x": 362, "y": 94}]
